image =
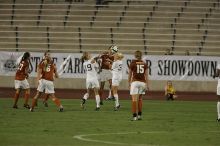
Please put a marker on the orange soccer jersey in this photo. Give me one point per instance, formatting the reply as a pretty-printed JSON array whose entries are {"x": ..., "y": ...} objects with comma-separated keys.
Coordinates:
[
  {"x": 48, "y": 70},
  {"x": 138, "y": 69},
  {"x": 105, "y": 63},
  {"x": 22, "y": 70}
]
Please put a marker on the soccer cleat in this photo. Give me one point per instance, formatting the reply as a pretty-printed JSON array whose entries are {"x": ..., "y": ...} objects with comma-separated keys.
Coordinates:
[
  {"x": 27, "y": 106},
  {"x": 101, "y": 102},
  {"x": 45, "y": 103},
  {"x": 139, "y": 117},
  {"x": 83, "y": 101},
  {"x": 218, "y": 120},
  {"x": 110, "y": 98},
  {"x": 15, "y": 106},
  {"x": 31, "y": 110},
  {"x": 134, "y": 119},
  {"x": 97, "y": 108},
  {"x": 82, "y": 106},
  {"x": 117, "y": 108},
  {"x": 61, "y": 109}
]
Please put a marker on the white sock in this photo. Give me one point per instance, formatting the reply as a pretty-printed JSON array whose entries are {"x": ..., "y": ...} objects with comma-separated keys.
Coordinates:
[
  {"x": 109, "y": 94},
  {"x": 97, "y": 98},
  {"x": 218, "y": 109},
  {"x": 116, "y": 100},
  {"x": 86, "y": 96}
]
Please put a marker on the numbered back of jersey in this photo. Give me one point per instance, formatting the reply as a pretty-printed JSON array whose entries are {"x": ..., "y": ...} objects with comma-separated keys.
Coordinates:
[
  {"x": 138, "y": 69},
  {"x": 22, "y": 69}
]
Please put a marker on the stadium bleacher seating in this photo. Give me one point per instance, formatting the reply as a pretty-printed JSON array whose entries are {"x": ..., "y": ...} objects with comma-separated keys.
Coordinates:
[{"x": 151, "y": 26}]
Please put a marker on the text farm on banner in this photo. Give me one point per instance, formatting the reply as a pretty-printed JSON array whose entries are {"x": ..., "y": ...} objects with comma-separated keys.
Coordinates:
[{"x": 189, "y": 68}]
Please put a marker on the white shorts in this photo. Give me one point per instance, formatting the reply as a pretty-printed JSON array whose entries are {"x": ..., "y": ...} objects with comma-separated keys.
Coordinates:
[
  {"x": 105, "y": 75},
  {"x": 116, "y": 81},
  {"x": 46, "y": 85},
  {"x": 137, "y": 87},
  {"x": 90, "y": 84},
  {"x": 22, "y": 84},
  {"x": 218, "y": 87}
]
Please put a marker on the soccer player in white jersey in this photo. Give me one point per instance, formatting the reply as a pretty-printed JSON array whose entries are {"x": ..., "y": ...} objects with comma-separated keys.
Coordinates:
[
  {"x": 92, "y": 82},
  {"x": 217, "y": 74},
  {"x": 117, "y": 68}
]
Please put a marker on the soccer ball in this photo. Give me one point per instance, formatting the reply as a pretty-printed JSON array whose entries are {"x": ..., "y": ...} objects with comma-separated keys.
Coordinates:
[{"x": 114, "y": 49}]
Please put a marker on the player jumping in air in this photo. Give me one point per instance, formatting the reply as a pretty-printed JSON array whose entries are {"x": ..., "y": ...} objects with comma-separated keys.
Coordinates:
[
  {"x": 92, "y": 82},
  {"x": 117, "y": 68},
  {"x": 107, "y": 59}
]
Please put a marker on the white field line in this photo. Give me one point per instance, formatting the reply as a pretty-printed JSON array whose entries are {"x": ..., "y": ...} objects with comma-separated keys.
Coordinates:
[{"x": 83, "y": 138}]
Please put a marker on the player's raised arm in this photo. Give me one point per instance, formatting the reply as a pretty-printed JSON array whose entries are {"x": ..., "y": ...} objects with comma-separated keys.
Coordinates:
[
  {"x": 55, "y": 72},
  {"x": 27, "y": 71}
]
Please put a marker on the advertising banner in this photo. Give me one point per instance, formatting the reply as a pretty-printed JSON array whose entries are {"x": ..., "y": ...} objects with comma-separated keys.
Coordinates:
[{"x": 186, "y": 68}]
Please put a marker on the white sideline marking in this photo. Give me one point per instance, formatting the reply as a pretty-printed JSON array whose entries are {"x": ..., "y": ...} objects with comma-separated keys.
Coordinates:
[{"x": 82, "y": 138}]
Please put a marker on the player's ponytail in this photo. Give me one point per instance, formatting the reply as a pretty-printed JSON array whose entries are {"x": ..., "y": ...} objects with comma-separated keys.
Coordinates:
[
  {"x": 84, "y": 56},
  {"x": 26, "y": 56},
  {"x": 120, "y": 55}
]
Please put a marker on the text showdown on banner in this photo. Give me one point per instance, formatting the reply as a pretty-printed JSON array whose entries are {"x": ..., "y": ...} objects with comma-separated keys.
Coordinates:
[{"x": 188, "y": 68}]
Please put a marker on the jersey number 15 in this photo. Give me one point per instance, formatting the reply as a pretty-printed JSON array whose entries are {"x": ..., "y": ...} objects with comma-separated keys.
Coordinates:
[{"x": 140, "y": 68}]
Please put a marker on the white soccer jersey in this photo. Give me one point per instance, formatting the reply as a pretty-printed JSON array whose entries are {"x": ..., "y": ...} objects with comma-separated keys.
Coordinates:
[
  {"x": 90, "y": 69},
  {"x": 117, "y": 68},
  {"x": 218, "y": 66},
  {"x": 218, "y": 86}
]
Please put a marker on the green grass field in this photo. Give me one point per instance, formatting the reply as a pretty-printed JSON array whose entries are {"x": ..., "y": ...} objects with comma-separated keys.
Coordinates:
[{"x": 178, "y": 123}]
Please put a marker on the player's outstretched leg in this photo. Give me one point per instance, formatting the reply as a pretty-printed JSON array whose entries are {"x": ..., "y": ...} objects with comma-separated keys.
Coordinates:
[
  {"x": 16, "y": 96},
  {"x": 83, "y": 100},
  {"x": 26, "y": 98},
  {"x": 57, "y": 102},
  {"x": 45, "y": 99}
]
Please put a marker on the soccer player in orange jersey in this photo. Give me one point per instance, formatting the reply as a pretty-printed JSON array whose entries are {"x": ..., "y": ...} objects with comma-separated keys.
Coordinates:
[
  {"x": 46, "y": 96},
  {"x": 138, "y": 83},
  {"x": 21, "y": 80},
  {"x": 107, "y": 59},
  {"x": 45, "y": 77}
]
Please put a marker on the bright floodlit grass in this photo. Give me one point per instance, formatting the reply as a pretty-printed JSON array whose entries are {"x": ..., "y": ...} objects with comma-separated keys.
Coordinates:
[{"x": 164, "y": 123}]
